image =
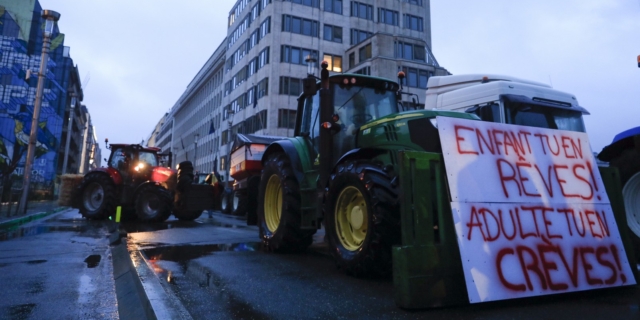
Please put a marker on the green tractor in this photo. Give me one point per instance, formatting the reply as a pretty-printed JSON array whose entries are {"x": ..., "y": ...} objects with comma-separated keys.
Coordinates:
[{"x": 341, "y": 169}]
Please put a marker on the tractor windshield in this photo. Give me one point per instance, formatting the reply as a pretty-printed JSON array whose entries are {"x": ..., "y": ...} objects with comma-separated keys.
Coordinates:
[
  {"x": 355, "y": 106},
  {"x": 148, "y": 158}
]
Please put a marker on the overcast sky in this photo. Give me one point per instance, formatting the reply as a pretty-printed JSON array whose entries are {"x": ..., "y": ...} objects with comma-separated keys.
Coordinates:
[{"x": 139, "y": 56}]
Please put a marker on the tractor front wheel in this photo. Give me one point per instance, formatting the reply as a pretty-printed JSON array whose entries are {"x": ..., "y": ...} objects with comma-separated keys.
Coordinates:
[
  {"x": 153, "y": 204},
  {"x": 362, "y": 219},
  {"x": 98, "y": 197},
  {"x": 279, "y": 208}
]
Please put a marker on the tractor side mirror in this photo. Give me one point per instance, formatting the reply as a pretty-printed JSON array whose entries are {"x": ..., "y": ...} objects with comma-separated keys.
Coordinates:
[{"x": 309, "y": 86}]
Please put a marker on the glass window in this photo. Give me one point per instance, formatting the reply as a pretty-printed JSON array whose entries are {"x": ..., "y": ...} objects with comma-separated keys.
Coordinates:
[
  {"x": 295, "y": 56},
  {"x": 365, "y": 52},
  {"x": 296, "y": 25},
  {"x": 334, "y": 6}
]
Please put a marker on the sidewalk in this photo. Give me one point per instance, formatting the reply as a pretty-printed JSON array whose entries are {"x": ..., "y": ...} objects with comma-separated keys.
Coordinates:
[{"x": 35, "y": 210}]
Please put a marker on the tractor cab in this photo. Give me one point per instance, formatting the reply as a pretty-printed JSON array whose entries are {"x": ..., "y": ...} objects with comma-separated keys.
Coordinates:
[
  {"x": 354, "y": 100},
  {"x": 134, "y": 163}
]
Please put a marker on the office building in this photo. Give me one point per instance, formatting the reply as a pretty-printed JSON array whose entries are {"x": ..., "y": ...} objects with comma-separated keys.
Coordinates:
[{"x": 251, "y": 83}]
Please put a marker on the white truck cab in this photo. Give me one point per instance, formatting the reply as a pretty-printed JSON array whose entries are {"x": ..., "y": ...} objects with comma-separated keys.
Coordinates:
[{"x": 506, "y": 99}]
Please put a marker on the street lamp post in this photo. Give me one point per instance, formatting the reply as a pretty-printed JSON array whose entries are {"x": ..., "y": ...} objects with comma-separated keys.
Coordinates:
[
  {"x": 195, "y": 156},
  {"x": 228, "y": 166},
  {"x": 50, "y": 17},
  {"x": 69, "y": 125}
]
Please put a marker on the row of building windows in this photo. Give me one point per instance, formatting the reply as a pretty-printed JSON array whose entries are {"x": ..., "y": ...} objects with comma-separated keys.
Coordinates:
[
  {"x": 299, "y": 25},
  {"x": 387, "y": 16},
  {"x": 255, "y": 11},
  {"x": 250, "y": 69},
  {"x": 286, "y": 118},
  {"x": 295, "y": 55},
  {"x": 415, "y": 77},
  {"x": 335, "y": 6},
  {"x": 235, "y": 12},
  {"x": 254, "y": 39},
  {"x": 246, "y": 22},
  {"x": 249, "y": 98},
  {"x": 249, "y": 125},
  {"x": 410, "y": 51}
]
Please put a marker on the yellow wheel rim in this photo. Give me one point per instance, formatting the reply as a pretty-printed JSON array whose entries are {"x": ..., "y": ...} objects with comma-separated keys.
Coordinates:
[
  {"x": 273, "y": 203},
  {"x": 351, "y": 218}
]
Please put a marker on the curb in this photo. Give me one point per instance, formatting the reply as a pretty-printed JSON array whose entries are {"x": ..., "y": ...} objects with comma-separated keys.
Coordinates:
[
  {"x": 7, "y": 224},
  {"x": 133, "y": 302},
  {"x": 139, "y": 292}
]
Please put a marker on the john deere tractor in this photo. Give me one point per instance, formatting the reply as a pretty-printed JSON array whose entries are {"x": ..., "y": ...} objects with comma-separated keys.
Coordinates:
[
  {"x": 135, "y": 180},
  {"x": 341, "y": 169}
]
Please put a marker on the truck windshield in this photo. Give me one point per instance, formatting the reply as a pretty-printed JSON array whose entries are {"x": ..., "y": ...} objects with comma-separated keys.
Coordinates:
[{"x": 543, "y": 117}]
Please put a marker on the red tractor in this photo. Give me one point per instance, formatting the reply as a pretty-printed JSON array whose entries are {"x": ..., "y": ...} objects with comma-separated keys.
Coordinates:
[{"x": 137, "y": 180}]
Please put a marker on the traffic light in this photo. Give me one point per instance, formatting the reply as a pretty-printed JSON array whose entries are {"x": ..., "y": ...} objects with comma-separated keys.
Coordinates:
[{"x": 638, "y": 61}]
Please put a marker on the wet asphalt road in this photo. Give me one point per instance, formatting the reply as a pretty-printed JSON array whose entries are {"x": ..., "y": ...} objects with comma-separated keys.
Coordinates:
[
  {"x": 57, "y": 268},
  {"x": 215, "y": 269}
]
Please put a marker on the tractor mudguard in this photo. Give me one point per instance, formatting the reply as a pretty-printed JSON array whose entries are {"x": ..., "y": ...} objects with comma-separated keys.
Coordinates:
[
  {"x": 361, "y": 153},
  {"x": 144, "y": 184},
  {"x": 292, "y": 152},
  {"x": 111, "y": 172}
]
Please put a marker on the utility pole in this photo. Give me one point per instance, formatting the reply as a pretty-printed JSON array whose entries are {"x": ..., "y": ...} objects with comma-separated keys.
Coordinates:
[{"x": 50, "y": 17}]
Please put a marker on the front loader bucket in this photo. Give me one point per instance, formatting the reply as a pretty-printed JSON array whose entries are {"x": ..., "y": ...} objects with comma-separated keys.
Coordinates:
[{"x": 427, "y": 270}]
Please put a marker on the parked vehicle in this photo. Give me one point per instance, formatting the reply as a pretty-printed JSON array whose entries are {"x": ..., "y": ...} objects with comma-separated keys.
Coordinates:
[
  {"x": 624, "y": 154},
  {"x": 506, "y": 99},
  {"x": 136, "y": 180},
  {"x": 340, "y": 170},
  {"x": 245, "y": 168}
]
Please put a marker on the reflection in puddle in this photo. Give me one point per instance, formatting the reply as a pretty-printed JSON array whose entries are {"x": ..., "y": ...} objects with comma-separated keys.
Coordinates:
[
  {"x": 139, "y": 226},
  {"x": 190, "y": 252},
  {"x": 13, "y": 233}
]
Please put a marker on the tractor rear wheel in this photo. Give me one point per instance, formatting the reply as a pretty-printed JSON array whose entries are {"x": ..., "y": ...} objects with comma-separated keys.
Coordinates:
[
  {"x": 185, "y": 179},
  {"x": 226, "y": 201},
  {"x": 239, "y": 203},
  {"x": 628, "y": 164},
  {"x": 153, "y": 204},
  {"x": 362, "y": 219},
  {"x": 98, "y": 197},
  {"x": 631, "y": 196},
  {"x": 279, "y": 208}
]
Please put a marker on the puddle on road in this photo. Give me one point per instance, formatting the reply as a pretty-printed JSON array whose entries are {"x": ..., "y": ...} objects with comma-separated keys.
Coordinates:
[
  {"x": 21, "y": 311},
  {"x": 93, "y": 260},
  {"x": 190, "y": 252},
  {"x": 16, "y": 232},
  {"x": 174, "y": 265},
  {"x": 139, "y": 226}
]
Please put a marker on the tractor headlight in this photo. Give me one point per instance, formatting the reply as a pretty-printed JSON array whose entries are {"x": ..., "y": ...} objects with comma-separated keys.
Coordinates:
[{"x": 139, "y": 166}]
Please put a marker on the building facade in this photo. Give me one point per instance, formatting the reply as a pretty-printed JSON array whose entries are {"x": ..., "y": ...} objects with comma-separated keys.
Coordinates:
[
  {"x": 252, "y": 81},
  {"x": 21, "y": 40}
]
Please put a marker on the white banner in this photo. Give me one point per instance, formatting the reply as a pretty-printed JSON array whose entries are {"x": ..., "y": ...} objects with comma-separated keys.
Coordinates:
[{"x": 531, "y": 213}]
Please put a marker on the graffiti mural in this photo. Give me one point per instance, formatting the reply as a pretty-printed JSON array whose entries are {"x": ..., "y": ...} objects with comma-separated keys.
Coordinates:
[{"x": 20, "y": 52}]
